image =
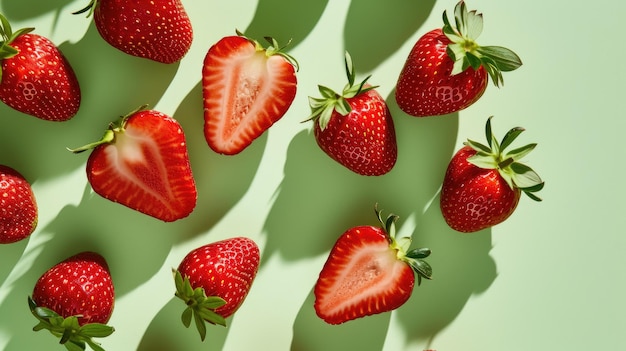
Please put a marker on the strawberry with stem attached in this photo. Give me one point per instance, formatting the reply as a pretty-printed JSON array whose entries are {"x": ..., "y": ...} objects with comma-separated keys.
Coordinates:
[
  {"x": 74, "y": 300},
  {"x": 142, "y": 163},
  {"x": 483, "y": 183},
  {"x": 35, "y": 77},
  {"x": 447, "y": 70},
  {"x": 18, "y": 207},
  {"x": 158, "y": 30},
  {"x": 246, "y": 88},
  {"x": 213, "y": 280},
  {"x": 355, "y": 128},
  {"x": 368, "y": 271}
]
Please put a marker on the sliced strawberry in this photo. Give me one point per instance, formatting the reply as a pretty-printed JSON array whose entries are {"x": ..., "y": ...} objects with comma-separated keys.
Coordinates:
[
  {"x": 368, "y": 272},
  {"x": 246, "y": 89},
  {"x": 142, "y": 163}
]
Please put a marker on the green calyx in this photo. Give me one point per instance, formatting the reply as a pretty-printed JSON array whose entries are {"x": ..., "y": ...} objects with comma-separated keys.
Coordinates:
[
  {"x": 200, "y": 307},
  {"x": 273, "y": 49},
  {"x": 415, "y": 257},
  {"x": 493, "y": 156},
  {"x": 109, "y": 135},
  {"x": 465, "y": 52},
  {"x": 322, "y": 108},
  {"x": 6, "y": 38},
  {"x": 72, "y": 335},
  {"x": 89, "y": 8}
]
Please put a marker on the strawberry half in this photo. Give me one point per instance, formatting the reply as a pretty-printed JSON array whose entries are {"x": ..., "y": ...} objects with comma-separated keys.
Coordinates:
[
  {"x": 246, "y": 89},
  {"x": 446, "y": 70},
  {"x": 74, "y": 300},
  {"x": 483, "y": 184},
  {"x": 159, "y": 30},
  {"x": 214, "y": 280},
  {"x": 355, "y": 128},
  {"x": 368, "y": 272},
  {"x": 142, "y": 162},
  {"x": 35, "y": 77},
  {"x": 18, "y": 207}
]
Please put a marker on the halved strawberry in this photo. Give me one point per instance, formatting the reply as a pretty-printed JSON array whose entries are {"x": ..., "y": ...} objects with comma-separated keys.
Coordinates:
[
  {"x": 246, "y": 89},
  {"x": 35, "y": 77},
  {"x": 368, "y": 272},
  {"x": 18, "y": 206},
  {"x": 74, "y": 300},
  {"x": 213, "y": 280},
  {"x": 142, "y": 162}
]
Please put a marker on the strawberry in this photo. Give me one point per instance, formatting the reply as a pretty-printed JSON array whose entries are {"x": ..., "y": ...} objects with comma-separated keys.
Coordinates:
[
  {"x": 355, "y": 128},
  {"x": 483, "y": 184},
  {"x": 35, "y": 77},
  {"x": 18, "y": 206},
  {"x": 446, "y": 70},
  {"x": 246, "y": 89},
  {"x": 142, "y": 162},
  {"x": 159, "y": 30},
  {"x": 213, "y": 280},
  {"x": 368, "y": 272},
  {"x": 74, "y": 300}
]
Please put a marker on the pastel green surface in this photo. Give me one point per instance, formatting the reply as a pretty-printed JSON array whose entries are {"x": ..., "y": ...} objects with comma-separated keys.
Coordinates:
[{"x": 550, "y": 278}]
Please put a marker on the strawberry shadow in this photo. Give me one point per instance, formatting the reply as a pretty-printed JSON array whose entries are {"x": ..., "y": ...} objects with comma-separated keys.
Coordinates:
[
  {"x": 285, "y": 20},
  {"x": 11, "y": 254},
  {"x": 362, "y": 28},
  {"x": 166, "y": 332},
  {"x": 112, "y": 84},
  {"x": 25, "y": 9}
]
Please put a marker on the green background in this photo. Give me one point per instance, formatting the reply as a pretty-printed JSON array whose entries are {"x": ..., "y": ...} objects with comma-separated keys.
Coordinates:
[{"x": 549, "y": 278}]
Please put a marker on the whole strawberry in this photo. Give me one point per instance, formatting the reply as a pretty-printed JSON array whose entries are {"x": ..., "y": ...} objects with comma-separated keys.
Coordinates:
[
  {"x": 246, "y": 88},
  {"x": 18, "y": 206},
  {"x": 142, "y": 163},
  {"x": 447, "y": 71},
  {"x": 355, "y": 128},
  {"x": 213, "y": 280},
  {"x": 35, "y": 77},
  {"x": 368, "y": 271},
  {"x": 74, "y": 300},
  {"x": 159, "y": 30},
  {"x": 483, "y": 184}
]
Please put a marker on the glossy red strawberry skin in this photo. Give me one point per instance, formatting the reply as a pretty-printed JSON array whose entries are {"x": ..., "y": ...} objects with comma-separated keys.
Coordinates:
[
  {"x": 426, "y": 87},
  {"x": 79, "y": 285},
  {"x": 39, "y": 81},
  {"x": 364, "y": 140},
  {"x": 18, "y": 206},
  {"x": 362, "y": 276},
  {"x": 226, "y": 269},
  {"x": 245, "y": 92},
  {"x": 473, "y": 198},
  {"x": 146, "y": 167},
  {"x": 159, "y": 30}
]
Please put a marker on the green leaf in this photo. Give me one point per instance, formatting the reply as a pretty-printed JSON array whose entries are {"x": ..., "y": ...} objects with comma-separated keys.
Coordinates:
[
  {"x": 524, "y": 176},
  {"x": 510, "y": 136},
  {"x": 200, "y": 326},
  {"x": 479, "y": 146},
  {"x": 474, "y": 24},
  {"x": 75, "y": 346},
  {"x": 186, "y": 317},
  {"x": 520, "y": 152},
  {"x": 419, "y": 253},
  {"x": 505, "y": 59},
  {"x": 481, "y": 161},
  {"x": 96, "y": 330}
]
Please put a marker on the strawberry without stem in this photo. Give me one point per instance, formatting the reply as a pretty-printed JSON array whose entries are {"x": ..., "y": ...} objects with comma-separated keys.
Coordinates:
[
  {"x": 141, "y": 162},
  {"x": 447, "y": 71},
  {"x": 213, "y": 280},
  {"x": 74, "y": 300},
  {"x": 159, "y": 30},
  {"x": 355, "y": 128},
  {"x": 18, "y": 206},
  {"x": 483, "y": 184},
  {"x": 246, "y": 89},
  {"x": 368, "y": 272},
  {"x": 36, "y": 79}
]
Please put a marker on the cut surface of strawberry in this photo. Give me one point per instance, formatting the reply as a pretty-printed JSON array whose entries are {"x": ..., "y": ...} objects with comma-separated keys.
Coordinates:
[
  {"x": 142, "y": 162},
  {"x": 368, "y": 272},
  {"x": 246, "y": 89}
]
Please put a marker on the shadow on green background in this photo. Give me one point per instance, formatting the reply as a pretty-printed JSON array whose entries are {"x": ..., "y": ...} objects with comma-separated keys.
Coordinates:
[{"x": 374, "y": 30}]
